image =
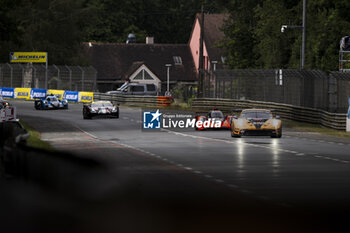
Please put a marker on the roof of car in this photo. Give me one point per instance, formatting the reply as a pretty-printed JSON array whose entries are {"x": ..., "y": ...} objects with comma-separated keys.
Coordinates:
[
  {"x": 255, "y": 110},
  {"x": 101, "y": 102}
]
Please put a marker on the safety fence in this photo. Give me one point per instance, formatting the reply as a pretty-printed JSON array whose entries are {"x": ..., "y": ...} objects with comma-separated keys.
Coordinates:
[
  {"x": 134, "y": 100},
  {"x": 296, "y": 113},
  {"x": 305, "y": 88},
  {"x": 73, "y": 78},
  {"x": 33, "y": 93}
]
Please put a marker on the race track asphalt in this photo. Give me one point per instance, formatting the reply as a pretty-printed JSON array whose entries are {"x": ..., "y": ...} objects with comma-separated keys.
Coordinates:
[{"x": 204, "y": 181}]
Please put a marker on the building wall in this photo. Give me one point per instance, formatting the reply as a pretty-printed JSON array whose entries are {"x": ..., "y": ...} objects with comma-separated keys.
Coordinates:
[{"x": 194, "y": 46}]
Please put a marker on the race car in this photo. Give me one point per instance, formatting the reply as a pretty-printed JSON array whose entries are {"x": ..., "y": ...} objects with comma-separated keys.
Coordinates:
[
  {"x": 214, "y": 119},
  {"x": 50, "y": 102},
  {"x": 100, "y": 108},
  {"x": 3, "y": 103},
  {"x": 256, "y": 122}
]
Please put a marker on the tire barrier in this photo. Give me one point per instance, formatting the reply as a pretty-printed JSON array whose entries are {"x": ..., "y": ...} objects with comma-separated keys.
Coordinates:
[
  {"x": 296, "y": 113},
  {"x": 137, "y": 101}
]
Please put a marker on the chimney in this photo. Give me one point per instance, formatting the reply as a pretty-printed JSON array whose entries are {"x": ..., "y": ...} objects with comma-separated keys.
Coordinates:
[{"x": 149, "y": 40}]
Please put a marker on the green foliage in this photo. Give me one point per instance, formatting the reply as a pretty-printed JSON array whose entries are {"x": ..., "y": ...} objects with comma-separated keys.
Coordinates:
[
  {"x": 60, "y": 26},
  {"x": 254, "y": 39}
]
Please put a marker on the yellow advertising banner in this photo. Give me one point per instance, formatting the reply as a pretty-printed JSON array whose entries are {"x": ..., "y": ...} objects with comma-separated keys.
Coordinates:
[
  {"x": 22, "y": 93},
  {"x": 86, "y": 97},
  {"x": 57, "y": 93},
  {"x": 26, "y": 57}
]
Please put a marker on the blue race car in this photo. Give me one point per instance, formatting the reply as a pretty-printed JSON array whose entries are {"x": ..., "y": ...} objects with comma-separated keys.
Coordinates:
[{"x": 50, "y": 102}]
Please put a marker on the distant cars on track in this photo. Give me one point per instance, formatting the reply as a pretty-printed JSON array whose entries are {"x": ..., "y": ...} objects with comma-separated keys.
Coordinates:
[
  {"x": 256, "y": 122},
  {"x": 50, "y": 102},
  {"x": 215, "y": 120},
  {"x": 100, "y": 108}
]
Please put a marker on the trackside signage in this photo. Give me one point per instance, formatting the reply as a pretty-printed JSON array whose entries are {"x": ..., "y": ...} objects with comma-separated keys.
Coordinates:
[
  {"x": 154, "y": 120},
  {"x": 26, "y": 57},
  {"x": 72, "y": 96},
  {"x": 37, "y": 93},
  {"x": 7, "y": 92}
]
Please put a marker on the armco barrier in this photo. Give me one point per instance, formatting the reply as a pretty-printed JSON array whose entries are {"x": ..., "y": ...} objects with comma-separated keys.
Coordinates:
[
  {"x": 134, "y": 100},
  {"x": 302, "y": 114}
]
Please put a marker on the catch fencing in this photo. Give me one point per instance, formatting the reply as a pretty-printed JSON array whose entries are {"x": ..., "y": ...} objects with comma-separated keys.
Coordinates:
[
  {"x": 134, "y": 100},
  {"x": 305, "y": 88},
  {"x": 73, "y": 78}
]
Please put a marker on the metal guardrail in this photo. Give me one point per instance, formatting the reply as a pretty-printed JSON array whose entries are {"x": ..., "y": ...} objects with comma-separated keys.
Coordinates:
[
  {"x": 134, "y": 100},
  {"x": 302, "y": 114}
]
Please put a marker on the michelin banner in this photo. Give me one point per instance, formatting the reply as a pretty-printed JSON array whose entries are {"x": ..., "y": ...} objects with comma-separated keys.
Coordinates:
[
  {"x": 7, "y": 92},
  {"x": 22, "y": 93},
  {"x": 86, "y": 97},
  {"x": 38, "y": 94},
  {"x": 58, "y": 93},
  {"x": 71, "y": 96}
]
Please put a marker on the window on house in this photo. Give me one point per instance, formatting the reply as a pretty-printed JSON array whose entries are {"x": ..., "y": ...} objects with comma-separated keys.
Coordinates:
[
  {"x": 147, "y": 76},
  {"x": 177, "y": 60},
  {"x": 139, "y": 76},
  {"x": 143, "y": 75}
]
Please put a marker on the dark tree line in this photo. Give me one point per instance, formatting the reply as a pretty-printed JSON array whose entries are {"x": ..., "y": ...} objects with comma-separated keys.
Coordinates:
[{"x": 253, "y": 37}]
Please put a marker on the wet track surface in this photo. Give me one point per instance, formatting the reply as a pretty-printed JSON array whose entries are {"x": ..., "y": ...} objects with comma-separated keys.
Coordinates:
[{"x": 300, "y": 182}]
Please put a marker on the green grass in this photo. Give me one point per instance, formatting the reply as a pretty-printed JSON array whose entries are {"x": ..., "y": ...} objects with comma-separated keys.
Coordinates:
[
  {"x": 34, "y": 139},
  {"x": 314, "y": 128}
]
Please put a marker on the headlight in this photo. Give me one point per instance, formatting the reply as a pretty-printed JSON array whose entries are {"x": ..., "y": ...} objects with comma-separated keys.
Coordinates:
[
  {"x": 275, "y": 123},
  {"x": 240, "y": 123},
  {"x": 115, "y": 109}
]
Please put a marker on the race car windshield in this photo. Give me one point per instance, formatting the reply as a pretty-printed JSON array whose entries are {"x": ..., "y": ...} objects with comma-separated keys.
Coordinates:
[
  {"x": 100, "y": 105},
  {"x": 216, "y": 114},
  {"x": 52, "y": 99},
  {"x": 260, "y": 114}
]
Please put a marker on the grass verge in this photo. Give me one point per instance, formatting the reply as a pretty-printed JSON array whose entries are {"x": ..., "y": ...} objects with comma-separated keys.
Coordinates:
[
  {"x": 314, "y": 128},
  {"x": 34, "y": 139}
]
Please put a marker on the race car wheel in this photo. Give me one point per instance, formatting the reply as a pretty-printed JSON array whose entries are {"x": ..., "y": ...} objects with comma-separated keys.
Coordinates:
[
  {"x": 235, "y": 135},
  {"x": 38, "y": 105},
  {"x": 86, "y": 116}
]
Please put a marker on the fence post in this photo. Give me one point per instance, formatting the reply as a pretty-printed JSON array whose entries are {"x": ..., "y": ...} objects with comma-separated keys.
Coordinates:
[
  {"x": 70, "y": 77},
  {"x": 82, "y": 78},
  {"x": 46, "y": 74},
  {"x": 1, "y": 76},
  {"x": 20, "y": 65},
  {"x": 34, "y": 78},
  {"x": 94, "y": 88},
  {"x": 11, "y": 74},
  {"x": 58, "y": 77}
]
